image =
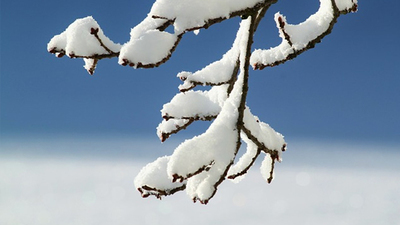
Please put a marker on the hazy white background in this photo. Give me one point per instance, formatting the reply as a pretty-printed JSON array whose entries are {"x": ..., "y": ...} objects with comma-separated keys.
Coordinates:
[{"x": 345, "y": 183}]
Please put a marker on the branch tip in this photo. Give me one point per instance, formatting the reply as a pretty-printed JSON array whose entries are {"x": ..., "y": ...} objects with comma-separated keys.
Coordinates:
[
  {"x": 281, "y": 22},
  {"x": 94, "y": 30}
]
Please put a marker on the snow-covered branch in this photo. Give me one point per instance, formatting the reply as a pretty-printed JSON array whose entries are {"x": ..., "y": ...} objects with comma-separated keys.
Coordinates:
[
  {"x": 172, "y": 126},
  {"x": 153, "y": 180},
  {"x": 84, "y": 39},
  {"x": 200, "y": 164},
  {"x": 150, "y": 45},
  {"x": 205, "y": 160},
  {"x": 246, "y": 160},
  {"x": 207, "y": 77},
  {"x": 298, "y": 38}
]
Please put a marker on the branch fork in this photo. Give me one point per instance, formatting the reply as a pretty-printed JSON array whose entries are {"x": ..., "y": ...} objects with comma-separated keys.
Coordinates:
[{"x": 199, "y": 165}]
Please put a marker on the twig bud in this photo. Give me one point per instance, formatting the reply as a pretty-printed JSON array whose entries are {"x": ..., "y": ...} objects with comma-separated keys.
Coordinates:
[{"x": 94, "y": 30}]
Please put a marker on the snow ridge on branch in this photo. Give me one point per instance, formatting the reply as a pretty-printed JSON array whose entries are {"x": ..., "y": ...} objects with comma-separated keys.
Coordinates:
[
  {"x": 84, "y": 39},
  {"x": 150, "y": 45},
  {"x": 204, "y": 161},
  {"x": 200, "y": 164},
  {"x": 301, "y": 37}
]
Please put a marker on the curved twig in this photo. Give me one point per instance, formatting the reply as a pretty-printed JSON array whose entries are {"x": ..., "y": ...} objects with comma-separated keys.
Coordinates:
[{"x": 311, "y": 44}]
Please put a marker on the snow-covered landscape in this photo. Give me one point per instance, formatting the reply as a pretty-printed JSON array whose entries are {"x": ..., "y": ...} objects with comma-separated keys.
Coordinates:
[{"x": 84, "y": 181}]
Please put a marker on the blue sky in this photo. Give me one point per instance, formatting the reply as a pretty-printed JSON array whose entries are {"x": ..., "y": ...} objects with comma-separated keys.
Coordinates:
[{"x": 346, "y": 88}]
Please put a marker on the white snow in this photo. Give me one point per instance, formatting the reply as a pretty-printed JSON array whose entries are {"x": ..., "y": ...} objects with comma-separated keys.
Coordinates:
[
  {"x": 151, "y": 47},
  {"x": 245, "y": 160},
  {"x": 78, "y": 40},
  {"x": 203, "y": 161},
  {"x": 168, "y": 126},
  {"x": 147, "y": 44},
  {"x": 216, "y": 73},
  {"x": 195, "y": 104},
  {"x": 300, "y": 34},
  {"x": 266, "y": 167},
  {"x": 274, "y": 54},
  {"x": 344, "y": 5},
  {"x": 189, "y": 14},
  {"x": 211, "y": 153},
  {"x": 216, "y": 148},
  {"x": 263, "y": 132},
  {"x": 88, "y": 63},
  {"x": 154, "y": 175}
]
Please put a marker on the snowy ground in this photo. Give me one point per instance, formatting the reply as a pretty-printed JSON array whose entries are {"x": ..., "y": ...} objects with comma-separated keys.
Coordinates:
[{"x": 82, "y": 184}]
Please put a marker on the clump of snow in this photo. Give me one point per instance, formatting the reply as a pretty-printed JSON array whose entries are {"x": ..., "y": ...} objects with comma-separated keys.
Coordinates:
[
  {"x": 169, "y": 126},
  {"x": 153, "y": 178},
  {"x": 78, "y": 39},
  {"x": 268, "y": 137},
  {"x": 150, "y": 48},
  {"x": 263, "y": 132},
  {"x": 189, "y": 14},
  {"x": 216, "y": 73},
  {"x": 245, "y": 161},
  {"x": 272, "y": 55},
  {"x": 266, "y": 168},
  {"x": 216, "y": 148},
  {"x": 216, "y": 144},
  {"x": 147, "y": 45},
  {"x": 296, "y": 38},
  {"x": 192, "y": 104},
  {"x": 345, "y": 5},
  {"x": 301, "y": 34},
  {"x": 89, "y": 64}
]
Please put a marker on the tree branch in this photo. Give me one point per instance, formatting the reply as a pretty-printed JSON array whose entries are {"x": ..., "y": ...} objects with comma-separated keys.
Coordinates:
[
  {"x": 146, "y": 191},
  {"x": 281, "y": 22},
  {"x": 208, "y": 23},
  {"x": 242, "y": 105},
  {"x": 245, "y": 169}
]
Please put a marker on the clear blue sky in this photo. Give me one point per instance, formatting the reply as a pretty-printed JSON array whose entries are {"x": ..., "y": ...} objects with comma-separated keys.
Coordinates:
[{"x": 348, "y": 87}]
